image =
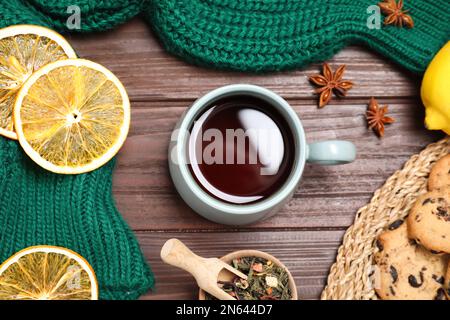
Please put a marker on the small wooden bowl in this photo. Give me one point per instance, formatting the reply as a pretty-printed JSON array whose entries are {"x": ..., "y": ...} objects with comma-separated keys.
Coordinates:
[{"x": 255, "y": 253}]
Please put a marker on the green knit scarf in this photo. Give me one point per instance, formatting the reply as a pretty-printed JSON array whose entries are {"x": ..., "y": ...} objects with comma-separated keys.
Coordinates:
[
  {"x": 255, "y": 35},
  {"x": 78, "y": 212},
  {"x": 38, "y": 207}
]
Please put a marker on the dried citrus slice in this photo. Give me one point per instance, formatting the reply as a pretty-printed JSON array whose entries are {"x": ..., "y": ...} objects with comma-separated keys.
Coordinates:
[
  {"x": 72, "y": 116},
  {"x": 47, "y": 273},
  {"x": 23, "y": 50}
]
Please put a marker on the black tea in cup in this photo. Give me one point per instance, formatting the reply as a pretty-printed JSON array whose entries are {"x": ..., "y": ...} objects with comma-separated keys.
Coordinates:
[{"x": 241, "y": 150}]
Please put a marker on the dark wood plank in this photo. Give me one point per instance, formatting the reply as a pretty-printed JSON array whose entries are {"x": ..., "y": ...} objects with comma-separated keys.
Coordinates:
[
  {"x": 327, "y": 196},
  {"x": 149, "y": 73},
  {"x": 307, "y": 254}
]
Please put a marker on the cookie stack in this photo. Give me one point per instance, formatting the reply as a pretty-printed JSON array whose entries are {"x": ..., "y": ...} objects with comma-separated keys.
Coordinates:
[{"x": 413, "y": 255}]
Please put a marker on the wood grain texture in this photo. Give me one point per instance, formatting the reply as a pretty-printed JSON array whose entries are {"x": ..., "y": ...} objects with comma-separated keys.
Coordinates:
[{"x": 307, "y": 231}]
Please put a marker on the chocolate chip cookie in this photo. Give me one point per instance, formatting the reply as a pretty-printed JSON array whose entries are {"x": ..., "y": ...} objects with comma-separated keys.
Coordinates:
[
  {"x": 440, "y": 174},
  {"x": 429, "y": 220},
  {"x": 406, "y": 270}
]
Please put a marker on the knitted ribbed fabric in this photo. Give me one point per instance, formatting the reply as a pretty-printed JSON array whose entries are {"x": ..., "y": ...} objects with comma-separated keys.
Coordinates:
[
  {"x": 38, "y": 207},
  {"x": 96, "y": 15},
  {"x": 260, "y": 35},
  {"x": 77, "y": 212},
  {"x": 256, "y": 35}
]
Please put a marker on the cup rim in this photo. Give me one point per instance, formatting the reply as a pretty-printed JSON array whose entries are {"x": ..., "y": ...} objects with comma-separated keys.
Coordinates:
[{"x": 297, "y": 131}]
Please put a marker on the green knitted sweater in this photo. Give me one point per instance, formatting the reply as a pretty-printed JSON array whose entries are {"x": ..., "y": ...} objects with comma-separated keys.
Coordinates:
[{"x": 78, "y": 212}]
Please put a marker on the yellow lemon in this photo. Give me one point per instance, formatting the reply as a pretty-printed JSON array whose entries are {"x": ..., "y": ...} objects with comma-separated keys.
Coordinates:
[
  {"x": 47, "y": 273},
  {"x": 436, "y": 91},
  {"x": 23, "y": 50},
  {"x": 72, "y": 116}
]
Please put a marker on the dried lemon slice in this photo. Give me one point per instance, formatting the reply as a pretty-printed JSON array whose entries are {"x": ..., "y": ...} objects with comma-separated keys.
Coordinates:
[
  {"x": 47, "y": 273},
  {"x": 72, "y": 116},
  {"x": 23, "y": 50}
]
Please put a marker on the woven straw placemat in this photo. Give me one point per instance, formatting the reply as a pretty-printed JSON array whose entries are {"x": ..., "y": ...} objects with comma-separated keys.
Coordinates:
[{"x": 350, "y": 276}]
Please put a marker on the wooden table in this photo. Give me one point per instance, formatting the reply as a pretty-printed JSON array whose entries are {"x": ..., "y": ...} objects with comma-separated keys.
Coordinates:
[{"x": 306, "y": 234}]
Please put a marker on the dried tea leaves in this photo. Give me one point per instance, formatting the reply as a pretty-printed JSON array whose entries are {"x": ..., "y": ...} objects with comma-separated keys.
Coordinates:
[{"x": 266, "y": 281}]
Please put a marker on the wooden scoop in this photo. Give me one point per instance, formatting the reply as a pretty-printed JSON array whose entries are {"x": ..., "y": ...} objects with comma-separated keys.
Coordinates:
[{"x": 207, "y": 272}]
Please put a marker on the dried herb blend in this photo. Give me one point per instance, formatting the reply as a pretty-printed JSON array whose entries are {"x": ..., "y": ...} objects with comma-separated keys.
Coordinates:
[{"x": 266, "y": 281}]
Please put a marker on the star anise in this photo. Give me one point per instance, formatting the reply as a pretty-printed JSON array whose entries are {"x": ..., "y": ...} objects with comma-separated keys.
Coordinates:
[
  {"x": 376, "y": 117},
  {"x": 330, "y": 83},
  {"x": 395, "y": 14}
]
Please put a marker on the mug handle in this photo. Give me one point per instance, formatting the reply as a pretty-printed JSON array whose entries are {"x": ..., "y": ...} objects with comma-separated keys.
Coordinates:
[{"x": 331, "y": 152}]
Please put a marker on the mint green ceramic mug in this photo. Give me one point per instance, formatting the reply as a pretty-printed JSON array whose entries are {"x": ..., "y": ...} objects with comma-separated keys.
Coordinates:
[{"x": 324, "y": 153}]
